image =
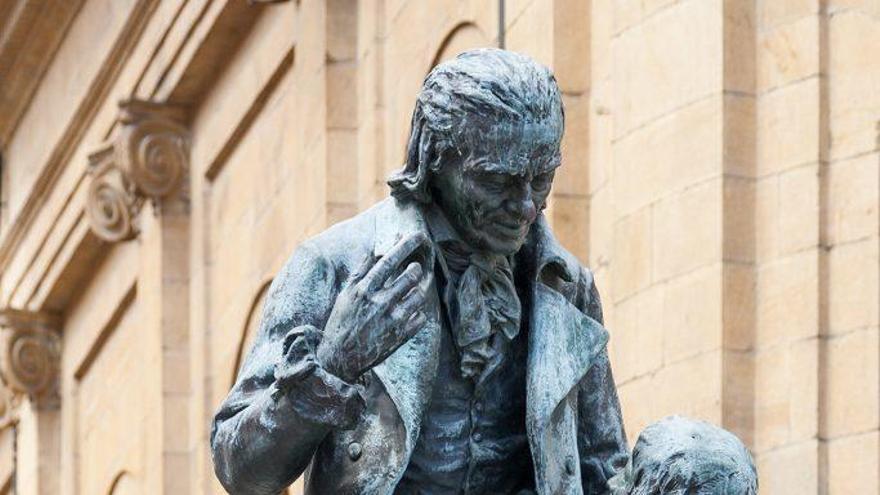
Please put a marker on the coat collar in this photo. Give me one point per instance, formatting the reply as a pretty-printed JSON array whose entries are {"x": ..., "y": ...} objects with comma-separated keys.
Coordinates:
[{"x": 563, "y": 341}]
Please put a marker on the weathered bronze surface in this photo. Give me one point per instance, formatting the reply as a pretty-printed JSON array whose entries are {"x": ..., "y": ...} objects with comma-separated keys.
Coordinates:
[{"x": 441, "y": 341}]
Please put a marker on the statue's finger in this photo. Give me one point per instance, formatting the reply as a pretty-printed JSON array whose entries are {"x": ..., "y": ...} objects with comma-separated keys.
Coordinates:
[
  {"x": 415, "y": 323},
  {"x": 405, "y": 282},
  {"x": 412, "y": 302},
  {"x": 363, "y": 268},
  {"x": 391, "y": 261}
]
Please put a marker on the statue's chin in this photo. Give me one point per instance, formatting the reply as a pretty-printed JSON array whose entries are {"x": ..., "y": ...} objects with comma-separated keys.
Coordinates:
[{"x": 501, "y": 246}]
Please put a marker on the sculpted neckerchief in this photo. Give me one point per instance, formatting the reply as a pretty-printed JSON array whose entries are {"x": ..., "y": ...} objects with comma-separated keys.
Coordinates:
[
  {"x": 480, "y": 295},
  {"x": 483, "y": 303}
]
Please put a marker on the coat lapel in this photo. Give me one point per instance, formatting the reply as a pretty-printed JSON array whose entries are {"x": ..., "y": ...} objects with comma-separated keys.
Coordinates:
[
  {"x": 408, "y": 373},
  {"x": 563, "y": 344}
]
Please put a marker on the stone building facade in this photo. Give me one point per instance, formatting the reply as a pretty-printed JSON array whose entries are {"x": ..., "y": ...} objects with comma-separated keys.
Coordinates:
[{"x": 162, "y": 158}]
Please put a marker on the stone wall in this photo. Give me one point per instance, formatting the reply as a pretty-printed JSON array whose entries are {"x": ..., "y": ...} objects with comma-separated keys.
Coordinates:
[{"x": 721, "y": 177}]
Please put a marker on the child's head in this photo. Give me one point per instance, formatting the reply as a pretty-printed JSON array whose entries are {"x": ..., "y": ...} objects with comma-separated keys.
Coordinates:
[{"x": 681, "y": 456}]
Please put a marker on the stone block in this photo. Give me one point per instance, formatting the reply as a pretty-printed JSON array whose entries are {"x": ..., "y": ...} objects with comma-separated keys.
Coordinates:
[
  {"x": 739, "y": 47},
  {"x": 790, "y": 469},
  {"x": 767, "y": 214},
  {"x": 869, "y": 7},
  {"x": 738, "y": 306},
  {"x": 853, "y": 286},
  {"x": 738, "y": 394},
  {"x": 853, "y": 79},
  {"x": 601, "y": 35},
  {"x": 176, "y": 372},
  {"x": 633, "y": 238},
  {"x": 786, "y": 394},
  {"x": 342, "y": 95},
  {"x": 788, "y": 53},
  {"x": 636, "y": 345},
  {"x": 571, "y": 45},
  {"x": 799, "y": 209},
  {"x": 175, "y": 471},
  {"x": 788, "y": 301},
  {"x": 651, "y": 81},
  {"x": 802, "y": 359},
  {"x": 637, "y": 398},
  {"x": 787, "y": 126},
  {"x": 342, "y": 29},
  {"x": 678, "y": 393},
  {"x": 852, "y": 464},
  {"x": 629, "y": 13},
  {"x": 571, "y": 215},
  {"x": 772, "y": 13},
  {"x": 692, "y": 314},
  {"x": 739, "y": 140},
  {"x": 852, "y": 198},
  {"x": 176, "y": 431},
  {"x": 739, "y": 220},
  {"x": 685, "y": 148},
  {"x": 531, "y": 32},
  {"x": 687, "y": 230},
  {"x": 572, "y": 177},
  {"x": 342, "y": 166},
  {"x": 850, "y": 383},
  {"x": 600, "y": 147},
  {"x": 601, "y": 225}
]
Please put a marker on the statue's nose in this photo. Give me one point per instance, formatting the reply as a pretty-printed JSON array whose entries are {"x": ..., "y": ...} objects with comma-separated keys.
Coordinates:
[{"x": 523, "y": 208}]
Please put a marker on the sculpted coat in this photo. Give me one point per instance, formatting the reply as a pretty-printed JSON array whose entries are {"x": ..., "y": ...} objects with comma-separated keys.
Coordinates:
[{"x": 574, "y": 425}]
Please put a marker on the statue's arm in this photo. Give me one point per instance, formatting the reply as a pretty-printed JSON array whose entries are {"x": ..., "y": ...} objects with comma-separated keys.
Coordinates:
[
  {"x": 283, "y": 403},
  {"x": 601, "y": 439}
]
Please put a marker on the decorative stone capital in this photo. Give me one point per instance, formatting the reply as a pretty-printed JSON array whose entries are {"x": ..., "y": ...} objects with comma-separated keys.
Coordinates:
[
  {"x": 147, "y": 159},
  {"x": 30, "y": 354}
]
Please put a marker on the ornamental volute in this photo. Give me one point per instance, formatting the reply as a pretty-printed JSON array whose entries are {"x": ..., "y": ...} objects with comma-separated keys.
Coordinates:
[
  {"x": 30, "y": 354},
  {"x": 147, "y": 159}
]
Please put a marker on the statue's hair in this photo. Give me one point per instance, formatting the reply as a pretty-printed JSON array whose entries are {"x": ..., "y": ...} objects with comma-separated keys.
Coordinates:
[
  {"x": 476, "y": 90},
  {"x": 682, "y": 456}
]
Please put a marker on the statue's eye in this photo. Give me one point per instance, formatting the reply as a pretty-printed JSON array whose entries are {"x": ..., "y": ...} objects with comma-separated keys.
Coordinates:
[
  {"x": 541, "y": 182},
  {"x": 495, "y": 181}
]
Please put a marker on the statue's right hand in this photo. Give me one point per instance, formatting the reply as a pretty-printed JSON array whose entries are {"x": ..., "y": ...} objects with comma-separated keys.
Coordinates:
[{"x": 375, "y": 314}]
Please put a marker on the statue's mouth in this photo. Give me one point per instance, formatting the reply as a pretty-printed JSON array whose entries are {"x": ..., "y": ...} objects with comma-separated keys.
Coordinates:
[{"x": 510, "y": 230}]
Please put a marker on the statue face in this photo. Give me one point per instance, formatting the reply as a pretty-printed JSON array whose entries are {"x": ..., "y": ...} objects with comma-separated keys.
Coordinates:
[{"x": 493, "y": 191}]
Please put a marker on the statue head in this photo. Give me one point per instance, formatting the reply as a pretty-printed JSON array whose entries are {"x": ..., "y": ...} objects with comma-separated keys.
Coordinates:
[
  {"x": 681, "y": 456},
  {"x": 483, "y": 146}
]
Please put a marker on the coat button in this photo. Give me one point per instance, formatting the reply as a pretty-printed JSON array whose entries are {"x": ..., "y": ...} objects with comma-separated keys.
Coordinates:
[
  {"x": 569, "y": 466},
  {"x": 354, "y": 451}
]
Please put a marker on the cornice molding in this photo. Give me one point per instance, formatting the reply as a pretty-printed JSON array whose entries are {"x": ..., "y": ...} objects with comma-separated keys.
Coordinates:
[
  {"x": 30, "y": 355},
  {"x": 148, "y": 159},
  {"x": 63, "y": 149}
]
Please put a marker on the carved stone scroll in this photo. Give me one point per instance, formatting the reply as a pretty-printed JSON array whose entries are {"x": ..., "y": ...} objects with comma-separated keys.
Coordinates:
[
  {"x": 30, "y": 356},
  {"x": 147, "y": 159}
]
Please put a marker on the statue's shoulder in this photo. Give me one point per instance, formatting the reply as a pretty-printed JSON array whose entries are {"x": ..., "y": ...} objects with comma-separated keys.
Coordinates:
[
  {"x": 350, "y": 240},
  {"x": 306, "y": 276}
]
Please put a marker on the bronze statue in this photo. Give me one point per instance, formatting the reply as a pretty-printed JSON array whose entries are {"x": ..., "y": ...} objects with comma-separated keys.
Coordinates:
[{"x": 442, "y": 341}]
